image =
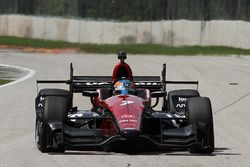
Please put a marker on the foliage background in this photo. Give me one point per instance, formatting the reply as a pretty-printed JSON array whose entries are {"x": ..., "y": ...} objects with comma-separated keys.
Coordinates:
[{"x": 137, "y": 10}]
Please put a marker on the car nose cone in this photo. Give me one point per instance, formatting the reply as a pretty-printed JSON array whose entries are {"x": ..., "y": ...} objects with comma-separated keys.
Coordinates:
[{"x": 130, "y": 133}]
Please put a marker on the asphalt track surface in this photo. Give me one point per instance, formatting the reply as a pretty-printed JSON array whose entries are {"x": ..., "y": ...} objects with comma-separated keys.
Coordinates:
[{"x": 226, "y": 80}]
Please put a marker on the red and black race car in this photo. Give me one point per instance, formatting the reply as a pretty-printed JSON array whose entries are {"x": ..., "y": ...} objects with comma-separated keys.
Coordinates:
[{"x": 123, "y": 115}]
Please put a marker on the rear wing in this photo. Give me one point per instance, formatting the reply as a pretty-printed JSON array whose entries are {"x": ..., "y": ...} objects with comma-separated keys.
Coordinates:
[
  {"x": 77, "y": 84},
  {"x": 82, "y": 83}
]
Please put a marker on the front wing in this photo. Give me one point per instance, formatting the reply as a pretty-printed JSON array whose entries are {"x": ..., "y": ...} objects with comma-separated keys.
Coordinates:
[{"x": 90, "y": 134}]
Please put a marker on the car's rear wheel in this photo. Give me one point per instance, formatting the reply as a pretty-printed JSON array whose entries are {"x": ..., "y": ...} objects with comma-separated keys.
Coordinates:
[
  {"x": 200, "y": 115},
  {"x": 56, "y": 105}
]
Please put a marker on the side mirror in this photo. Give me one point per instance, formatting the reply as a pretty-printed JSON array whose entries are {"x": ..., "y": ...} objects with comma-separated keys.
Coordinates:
[
  {"x": 158, "y": 94},
  {"x": 90, "y": 93}
]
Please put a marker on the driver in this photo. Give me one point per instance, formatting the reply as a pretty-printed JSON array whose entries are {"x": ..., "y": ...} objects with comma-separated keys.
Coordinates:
[{"x": 124, "y": 87}]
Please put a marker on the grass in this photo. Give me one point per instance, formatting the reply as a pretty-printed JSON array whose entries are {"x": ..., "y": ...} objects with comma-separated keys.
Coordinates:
[
  {"x": 2, "y": 82},
  {"x": 130, "y": 48}
]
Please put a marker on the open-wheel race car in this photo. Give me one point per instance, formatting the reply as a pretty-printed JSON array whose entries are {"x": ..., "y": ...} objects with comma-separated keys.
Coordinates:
[{"x": 122, "y": 115}]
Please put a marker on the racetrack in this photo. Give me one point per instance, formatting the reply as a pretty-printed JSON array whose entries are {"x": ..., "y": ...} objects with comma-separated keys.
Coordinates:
[{"x": 230, "y": 106}]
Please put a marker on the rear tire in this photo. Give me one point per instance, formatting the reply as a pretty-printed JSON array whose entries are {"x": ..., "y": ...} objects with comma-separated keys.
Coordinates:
[
  {"x": 200, "y": 114},
  {"x": 57, "y": 103}
]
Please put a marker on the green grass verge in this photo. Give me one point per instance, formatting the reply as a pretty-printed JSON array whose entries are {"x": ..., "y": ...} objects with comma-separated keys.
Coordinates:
[
  {"x": 130, "y": 48},
  {"x": 2, "y": 82}
]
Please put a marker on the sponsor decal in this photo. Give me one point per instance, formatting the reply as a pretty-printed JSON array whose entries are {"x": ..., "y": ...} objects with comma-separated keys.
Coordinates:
[
  {"x": 40, "y": 104},
  {"x": 182, "y": 99},
  {"x": 127, "y": 116},
  {"x": 126, "y": 102},
  {"x": 180, "y": 105},
  {"x": 128, "y": 120},
  {"x": 180, "y": 102},
  {"x": 75, "y": 115}
]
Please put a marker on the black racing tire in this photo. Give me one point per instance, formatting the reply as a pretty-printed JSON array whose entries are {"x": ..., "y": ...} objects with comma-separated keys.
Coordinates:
[
  {"x": 41, "y": 139},
  {"x": 40, "y": 136},
  {"x": 200, "y": 114},
  {"x": 57, "y": 103},
  {"x": 181, "y": 92}
]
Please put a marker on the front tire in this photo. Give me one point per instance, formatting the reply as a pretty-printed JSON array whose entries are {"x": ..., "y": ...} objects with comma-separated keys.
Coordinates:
[
  {"x": 200, "y": 114},
  {"x": 40, "y": 136},
  {"x": 55, "y": 106}
]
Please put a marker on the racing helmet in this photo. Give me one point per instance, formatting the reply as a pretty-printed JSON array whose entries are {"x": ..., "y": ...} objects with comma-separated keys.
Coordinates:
[{"x": 124, "y": 87}]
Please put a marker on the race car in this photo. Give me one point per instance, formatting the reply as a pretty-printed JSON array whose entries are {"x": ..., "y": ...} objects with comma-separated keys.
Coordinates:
[{"x": 123, "y": 114}]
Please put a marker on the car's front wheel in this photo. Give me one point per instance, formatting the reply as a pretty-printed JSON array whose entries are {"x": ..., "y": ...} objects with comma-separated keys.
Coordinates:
[
  {"x": 40, "y": 136},
  {"x": 52, "y": 105},
  {"x": 200, "y": 115}
]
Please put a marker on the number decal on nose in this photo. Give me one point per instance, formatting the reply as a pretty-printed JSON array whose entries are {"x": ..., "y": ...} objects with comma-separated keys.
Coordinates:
[{"x": 125, "y": 102}]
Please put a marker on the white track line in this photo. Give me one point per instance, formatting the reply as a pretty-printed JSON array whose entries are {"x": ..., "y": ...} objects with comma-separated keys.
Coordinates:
[{"x": 29, "y": 75}]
